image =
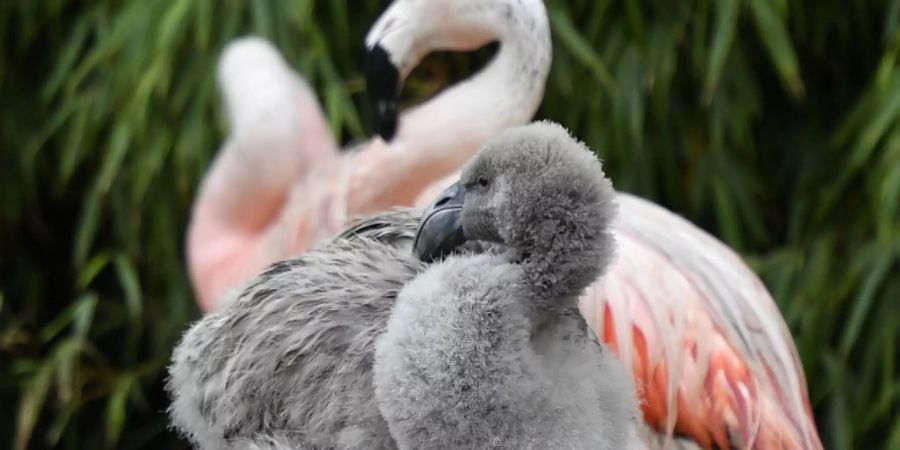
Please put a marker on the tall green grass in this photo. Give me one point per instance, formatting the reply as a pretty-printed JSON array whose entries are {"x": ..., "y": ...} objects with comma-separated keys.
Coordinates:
[{"x": 774, "y": 124}]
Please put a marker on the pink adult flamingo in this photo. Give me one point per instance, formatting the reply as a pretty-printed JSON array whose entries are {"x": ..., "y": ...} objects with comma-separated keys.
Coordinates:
[{"x": 712, "y": 357}]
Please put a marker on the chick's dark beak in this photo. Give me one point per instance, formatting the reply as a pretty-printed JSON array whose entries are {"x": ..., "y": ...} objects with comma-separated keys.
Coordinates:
[
  {"x": 383, "y": 86},
  {"x": 440, "y": 229}
]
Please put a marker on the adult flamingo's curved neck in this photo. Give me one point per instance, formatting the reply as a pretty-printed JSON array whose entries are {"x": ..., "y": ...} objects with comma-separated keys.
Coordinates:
[
  {"x": 435, "y": 138},
  {"x": 279, "y": 185}
]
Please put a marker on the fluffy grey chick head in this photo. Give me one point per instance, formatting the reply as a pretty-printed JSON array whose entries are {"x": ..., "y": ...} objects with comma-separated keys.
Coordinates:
[
  {"x": 530, "y": 180},
  {"x": 533, "y": 189}
]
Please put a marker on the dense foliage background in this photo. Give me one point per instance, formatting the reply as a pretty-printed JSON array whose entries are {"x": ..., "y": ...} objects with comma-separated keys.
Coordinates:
[{"x": 774, "y": 124}]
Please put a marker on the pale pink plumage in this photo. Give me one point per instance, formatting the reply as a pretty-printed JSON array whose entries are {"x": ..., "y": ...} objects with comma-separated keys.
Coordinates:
[
  {"x": 296, "y": 188},
  {"x": 711, "y": 354}
]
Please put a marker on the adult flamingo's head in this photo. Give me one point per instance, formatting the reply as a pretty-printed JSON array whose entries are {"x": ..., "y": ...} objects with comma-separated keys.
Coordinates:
[{"x": 410, "y": 29}]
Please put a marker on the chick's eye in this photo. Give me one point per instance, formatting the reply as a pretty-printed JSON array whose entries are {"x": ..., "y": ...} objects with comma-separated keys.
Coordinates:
[{"x": 482, "y": 181}]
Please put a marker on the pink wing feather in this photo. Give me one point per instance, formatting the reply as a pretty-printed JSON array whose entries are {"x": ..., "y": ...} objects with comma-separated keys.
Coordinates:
[{"x": 712, "y": 357}]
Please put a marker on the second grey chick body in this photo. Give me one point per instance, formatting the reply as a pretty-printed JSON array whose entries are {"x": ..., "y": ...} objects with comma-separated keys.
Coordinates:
[
  {"x": 490, "y": 350},
  {"x": 288, "y": 363}
]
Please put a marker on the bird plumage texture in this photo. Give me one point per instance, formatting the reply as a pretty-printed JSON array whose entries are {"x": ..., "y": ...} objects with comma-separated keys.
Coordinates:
[{"x": 290, "y": 362}]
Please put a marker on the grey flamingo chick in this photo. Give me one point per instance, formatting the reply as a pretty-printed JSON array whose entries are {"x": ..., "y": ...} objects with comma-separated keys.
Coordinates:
[
  {"x": 291, "y": 362},
  {"x": 288, "y": 364},
  {"x": 489, "y": 350}
]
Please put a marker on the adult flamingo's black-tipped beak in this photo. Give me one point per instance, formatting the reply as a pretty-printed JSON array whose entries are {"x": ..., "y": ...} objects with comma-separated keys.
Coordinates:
[
  {"x": 383, "y": 86},
  {"x": 440, "y": 229}
]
